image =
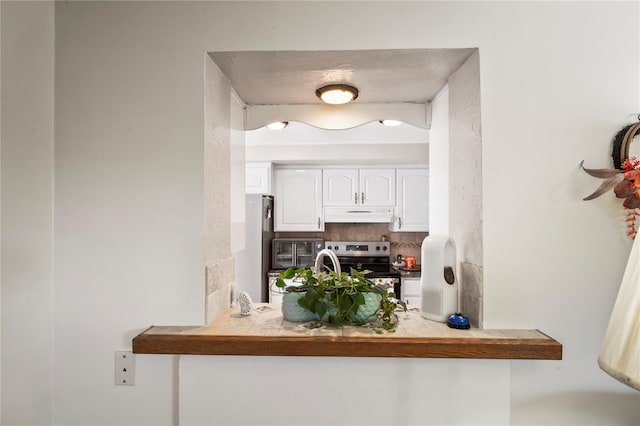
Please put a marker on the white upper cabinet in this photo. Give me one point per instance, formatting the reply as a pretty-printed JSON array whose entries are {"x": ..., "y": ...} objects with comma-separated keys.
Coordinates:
[
  {"x": 340, "y": 187},
  {"x": 378, "y": 187},
  {"x": 298, "y": 200},
  {"x": 258, "y": 178},
  {"x": 359, "y": 187},
  {"x": 412, "y": 210}
]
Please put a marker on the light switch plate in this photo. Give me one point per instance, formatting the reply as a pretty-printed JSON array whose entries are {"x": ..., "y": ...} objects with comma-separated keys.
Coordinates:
[{"x": 125, "y": 368}]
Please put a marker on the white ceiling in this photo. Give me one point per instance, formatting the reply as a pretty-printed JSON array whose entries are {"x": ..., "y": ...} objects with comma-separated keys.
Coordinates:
[{"x": 381, "y": 76}]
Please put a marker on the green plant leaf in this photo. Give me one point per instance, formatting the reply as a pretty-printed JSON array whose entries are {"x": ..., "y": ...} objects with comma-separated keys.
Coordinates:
[
  {"x": 346, "y": 302},
  {"x": 321, "y": 308},
  {"x": 308, "y": 301},
  {"x": 287, "y": 274},
  {"x": 382, "y": 289},
  {"x": 358, "y": 299},
  {"x": 341, "y": 295}
]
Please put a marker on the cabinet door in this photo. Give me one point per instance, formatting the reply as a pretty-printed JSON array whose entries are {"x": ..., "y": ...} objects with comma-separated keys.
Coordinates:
[
  {"x": 298, "y": 200},
  {"x": 411, "y": 287},
  {"x": 378, "y": 187},
  {"x": 412, "y": 211},
  {"x": 258, "y": 179},
  {"x": 411, "y": 292},
  {"x": 340, "y": 187}
]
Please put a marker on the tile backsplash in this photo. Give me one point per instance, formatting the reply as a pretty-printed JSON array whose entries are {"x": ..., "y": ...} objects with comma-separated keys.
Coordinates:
[{"x": 404, "y": 243}]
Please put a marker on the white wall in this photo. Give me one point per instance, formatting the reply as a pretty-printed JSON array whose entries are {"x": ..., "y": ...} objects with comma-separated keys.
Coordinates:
[
  {"x": 305, "y": 134},
  {"x": 129, "y": 184},
  {"x": 129, "y": 245},
  {"x": 237, "y": 174},
  {"x": 370, "y": 143},
  {"x": 343, "y": 391},
  {"x": 341, "y": 154},
  {"x": 1, "y": 217},
  {"x": 27, "y": 195},
  {"x": 439, "y": 165}
]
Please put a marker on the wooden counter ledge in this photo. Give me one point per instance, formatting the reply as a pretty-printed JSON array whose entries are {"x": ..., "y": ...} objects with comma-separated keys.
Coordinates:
[{"x": 266, "y": 333}]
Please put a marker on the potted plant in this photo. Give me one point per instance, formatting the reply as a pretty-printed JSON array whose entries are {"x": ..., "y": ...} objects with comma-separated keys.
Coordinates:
[{"x": 325, "y": 296}]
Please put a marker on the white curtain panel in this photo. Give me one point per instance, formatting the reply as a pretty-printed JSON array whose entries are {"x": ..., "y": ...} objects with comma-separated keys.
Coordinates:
[{"x": 620, "y": 353}]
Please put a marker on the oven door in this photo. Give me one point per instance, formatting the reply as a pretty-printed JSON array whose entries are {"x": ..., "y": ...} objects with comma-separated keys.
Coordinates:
[
  {"x": 361, "y": 263},
  {"x": 392, "y": 282}
]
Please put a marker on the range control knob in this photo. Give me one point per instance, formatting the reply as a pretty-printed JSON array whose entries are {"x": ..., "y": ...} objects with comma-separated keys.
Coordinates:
[
  {"x": 335, "y": 247},
  {"x": 377, "y": 248},
  {"x": 384, "y": 248}
]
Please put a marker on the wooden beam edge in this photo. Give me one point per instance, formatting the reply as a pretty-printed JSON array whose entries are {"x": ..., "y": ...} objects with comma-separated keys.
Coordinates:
[{"x": 435, "y": 347}]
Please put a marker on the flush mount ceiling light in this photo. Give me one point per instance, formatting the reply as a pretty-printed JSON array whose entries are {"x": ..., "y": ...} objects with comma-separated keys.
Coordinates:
[
  {"x": 390, "y": 122},
  {"x": 278, "y": 125},
  {"x": 337, "y": 94}
]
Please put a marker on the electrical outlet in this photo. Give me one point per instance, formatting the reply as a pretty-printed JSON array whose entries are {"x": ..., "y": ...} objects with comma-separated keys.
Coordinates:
[{"x": 125, "y": 368}]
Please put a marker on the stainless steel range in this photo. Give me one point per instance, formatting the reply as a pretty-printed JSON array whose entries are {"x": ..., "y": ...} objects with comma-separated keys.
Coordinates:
[{"x": 374, "y": 256}]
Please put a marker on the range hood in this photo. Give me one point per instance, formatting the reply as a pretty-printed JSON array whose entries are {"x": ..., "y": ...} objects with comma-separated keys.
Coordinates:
[{"x": 358, "y": 214}]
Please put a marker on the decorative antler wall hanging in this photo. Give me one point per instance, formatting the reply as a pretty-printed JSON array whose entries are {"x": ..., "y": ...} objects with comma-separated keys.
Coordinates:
[{"x": 624, "y": 178}]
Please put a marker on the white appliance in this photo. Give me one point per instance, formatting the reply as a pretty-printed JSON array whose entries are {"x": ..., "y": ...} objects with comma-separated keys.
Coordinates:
[
  {"x": 358, "y": 214},
  {"x": 438, "y": 280},
  {"x": 253, "y": 263}
]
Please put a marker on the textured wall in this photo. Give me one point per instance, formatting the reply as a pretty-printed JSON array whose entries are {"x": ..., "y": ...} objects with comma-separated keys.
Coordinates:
[
  {"x": 217, "y": 190},
  {"x": 217, "y": 172},
  {"x": 465, "y": 161},
  {"x": 465, "y": 184}
]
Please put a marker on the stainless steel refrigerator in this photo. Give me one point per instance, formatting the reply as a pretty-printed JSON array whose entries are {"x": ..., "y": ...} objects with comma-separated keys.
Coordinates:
[{"x": 253, "y": 263}]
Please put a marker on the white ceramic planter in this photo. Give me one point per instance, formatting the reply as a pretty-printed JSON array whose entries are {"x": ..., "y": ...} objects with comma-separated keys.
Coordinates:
[{"x": 292, "y": 311}]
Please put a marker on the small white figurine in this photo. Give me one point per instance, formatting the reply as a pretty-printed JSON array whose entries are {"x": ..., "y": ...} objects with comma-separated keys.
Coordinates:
[{"x": 245, "y": 303}]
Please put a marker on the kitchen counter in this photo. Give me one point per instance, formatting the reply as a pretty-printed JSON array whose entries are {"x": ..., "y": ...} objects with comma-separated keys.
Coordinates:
[
  {"x": 410, "y": 273},
  {"x": 265, "y": 332}
]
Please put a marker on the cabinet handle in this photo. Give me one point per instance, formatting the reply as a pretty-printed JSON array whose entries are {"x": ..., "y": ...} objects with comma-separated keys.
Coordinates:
[
  {"x": 362, "y": 198},
  {"x": 355, "y": 198},
  {"x": 399, "y": 223},
  {"x": 318, "y": 222}
]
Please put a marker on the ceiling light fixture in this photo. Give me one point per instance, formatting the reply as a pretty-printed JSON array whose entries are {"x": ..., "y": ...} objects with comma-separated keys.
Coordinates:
[
  {"x": 390, "y": 122},
  {"x": 278, "y": 125},
  {"x": 337, "y": 94}
]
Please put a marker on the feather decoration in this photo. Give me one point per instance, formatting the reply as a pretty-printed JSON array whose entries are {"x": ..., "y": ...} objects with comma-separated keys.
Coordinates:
[
  {"x": 604, "y": 187},
  {"x": 601, "y": 173},
  {"x": 612, "y": 176}
]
